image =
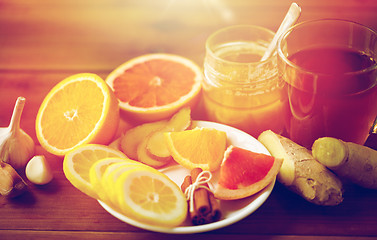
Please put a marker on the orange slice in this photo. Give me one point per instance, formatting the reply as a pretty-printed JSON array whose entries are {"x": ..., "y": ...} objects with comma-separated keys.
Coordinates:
[
  {"x": 197, "y": 148},
  {"x": 244, "y": 173},
  {"x": 80, "y": 109},
  {"x": 77, "y": 164},
  {"x": 155, "y": 86}
]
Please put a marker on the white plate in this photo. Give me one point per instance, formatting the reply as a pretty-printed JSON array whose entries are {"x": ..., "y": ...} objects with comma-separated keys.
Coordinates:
[{"x": 232, "y": 210}]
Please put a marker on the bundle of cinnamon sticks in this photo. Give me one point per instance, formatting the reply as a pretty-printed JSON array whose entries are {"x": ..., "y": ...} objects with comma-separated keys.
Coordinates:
[{"x": 205, "y": 208}]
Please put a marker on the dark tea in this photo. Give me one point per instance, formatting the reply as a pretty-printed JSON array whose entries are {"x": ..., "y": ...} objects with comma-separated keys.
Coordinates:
[{"x": 337, "y": 100}]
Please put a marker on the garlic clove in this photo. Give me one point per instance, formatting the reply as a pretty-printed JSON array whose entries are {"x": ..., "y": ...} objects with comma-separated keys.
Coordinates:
[
  {"x": 11, "y": 183},
  {"x": 38, "y": 170}
]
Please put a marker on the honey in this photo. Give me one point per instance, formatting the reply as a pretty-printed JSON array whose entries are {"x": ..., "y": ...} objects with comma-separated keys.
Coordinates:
[{"x": 239, "y": 89}]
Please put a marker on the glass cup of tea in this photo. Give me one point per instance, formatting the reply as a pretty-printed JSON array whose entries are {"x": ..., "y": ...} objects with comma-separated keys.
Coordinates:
[
  {"x": 329, "y": 67},
  {"x": 239, "y": 89}
]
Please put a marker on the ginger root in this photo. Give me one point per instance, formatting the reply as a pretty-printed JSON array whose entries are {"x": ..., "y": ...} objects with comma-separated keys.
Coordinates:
[
  {"x": 301, "y": 173},
  {"x": 348, "y": 160}
]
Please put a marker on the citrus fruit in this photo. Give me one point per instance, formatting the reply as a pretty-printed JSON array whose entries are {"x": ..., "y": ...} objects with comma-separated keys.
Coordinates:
[
  {"x": 154, "y": 86},
  {"x": 77, "y": 163},
  {"x": 80, "y": 109},
  {"x": 110, "y": 176},
  {"x": 197, "y": 148},
  {"x": 149, "y": 196},
  {"x": 244, "y": 173},
  {"x": 96, "y": 172}
]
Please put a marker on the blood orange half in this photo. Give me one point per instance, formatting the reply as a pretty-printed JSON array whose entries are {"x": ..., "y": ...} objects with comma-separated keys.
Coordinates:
[
  {"x": 154, "y": 86},
  {"x": 244, "y": 173}
]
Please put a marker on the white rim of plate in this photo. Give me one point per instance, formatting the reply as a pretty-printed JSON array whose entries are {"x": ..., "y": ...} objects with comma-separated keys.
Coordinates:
[{"x": 256, "y": 200}]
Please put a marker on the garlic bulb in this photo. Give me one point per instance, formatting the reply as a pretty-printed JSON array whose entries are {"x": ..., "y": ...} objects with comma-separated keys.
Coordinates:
[{"x": 16, "y": 146}]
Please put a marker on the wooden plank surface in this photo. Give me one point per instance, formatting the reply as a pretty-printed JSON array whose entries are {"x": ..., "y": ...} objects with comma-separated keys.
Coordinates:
[{"x": 42, "y": 42}]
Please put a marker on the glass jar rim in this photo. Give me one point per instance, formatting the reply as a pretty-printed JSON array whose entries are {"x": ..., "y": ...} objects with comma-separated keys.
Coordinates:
[
  {"x": 285, "y": 34},
  {"x": 214, "y": 34}
]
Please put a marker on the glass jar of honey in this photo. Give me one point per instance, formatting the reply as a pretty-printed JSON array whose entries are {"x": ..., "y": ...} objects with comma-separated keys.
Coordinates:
[{"x": 239, "y": 89}]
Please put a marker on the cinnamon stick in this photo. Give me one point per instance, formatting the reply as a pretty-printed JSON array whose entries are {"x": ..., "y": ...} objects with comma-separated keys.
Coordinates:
[
  {"x": 215, "y": 213},
  {"x": 205, "y": 208},
  {"x": 195, "y": 216},
  {"x": 201, "y": 200},
  {"x": 186, "y": 183}
]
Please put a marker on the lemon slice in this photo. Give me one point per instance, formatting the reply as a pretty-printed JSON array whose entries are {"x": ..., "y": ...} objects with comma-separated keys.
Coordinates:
[
  {"x": 96, "y": 172},
  {"x": 110, "y": 176},
  {"x": 77, "y": 163},
  {"x": 149, "y": 196}
]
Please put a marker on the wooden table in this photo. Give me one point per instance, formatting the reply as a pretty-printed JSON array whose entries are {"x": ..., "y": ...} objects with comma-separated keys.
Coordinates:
[{"x": 42, "y": 42}]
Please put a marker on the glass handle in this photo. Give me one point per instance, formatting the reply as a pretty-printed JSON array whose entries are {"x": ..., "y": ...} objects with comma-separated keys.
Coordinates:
[
  {"x": 373, "y": 129},
  {"x": 372, "y": 138}
]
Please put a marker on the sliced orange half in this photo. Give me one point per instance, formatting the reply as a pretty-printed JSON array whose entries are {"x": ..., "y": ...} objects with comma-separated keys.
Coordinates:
[
  {"x": 80, "y": 109},
  {"x": 197, "y": 148},
  {"x": 155, "y": 86}
]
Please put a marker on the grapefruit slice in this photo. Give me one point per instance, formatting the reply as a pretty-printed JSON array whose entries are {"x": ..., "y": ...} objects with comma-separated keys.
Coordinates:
[
  {"x": 155, "y": 86},
  {"x": 244, "y": 173}
]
